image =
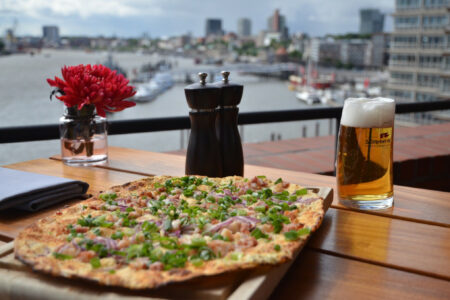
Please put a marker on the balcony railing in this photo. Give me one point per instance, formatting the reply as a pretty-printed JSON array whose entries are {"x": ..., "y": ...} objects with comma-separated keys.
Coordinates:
[{"x": 51, "y": 131}]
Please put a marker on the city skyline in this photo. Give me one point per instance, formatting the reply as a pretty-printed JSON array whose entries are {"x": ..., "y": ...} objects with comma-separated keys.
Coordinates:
[{"x": 160, "y": 19}]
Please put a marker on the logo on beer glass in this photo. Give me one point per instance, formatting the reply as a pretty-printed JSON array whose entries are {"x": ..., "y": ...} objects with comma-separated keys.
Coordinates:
[{"x": 364, "y": 160}]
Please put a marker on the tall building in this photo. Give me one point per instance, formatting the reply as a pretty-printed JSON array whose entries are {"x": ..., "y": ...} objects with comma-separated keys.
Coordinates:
[
  {"x": 50, "y": 35},
  {"x": 213, "y": 27},
  {"x": 419, "y": 64},
  {"x": 371, "y": 21},
  {"x": 244, "y": 27},
  {"x": 277, "y": 23}
]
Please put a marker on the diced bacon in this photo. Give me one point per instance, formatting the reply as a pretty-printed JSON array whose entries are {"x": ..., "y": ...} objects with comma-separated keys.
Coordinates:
[
  {"x": 86, "y": 256},
  {"x": 221, "y": 246},
  {"x": 156, "y": 266},
  {"x": 244, "y": 241},
  {"x": 124, "y": 243},
  {"x": 291, "y": 214},
  {"x": 139, "y": 263},
  {"x": 81, "y": 229},
  {"x": 292, "y": 226},
  {"x": 226, "y": 233},
  {"x": 267, "y": 228},
  {"x": 237, "y": 226}
]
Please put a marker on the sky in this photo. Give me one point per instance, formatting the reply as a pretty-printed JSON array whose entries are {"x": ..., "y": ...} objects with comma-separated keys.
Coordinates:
[{"x": 165, "y": 18}]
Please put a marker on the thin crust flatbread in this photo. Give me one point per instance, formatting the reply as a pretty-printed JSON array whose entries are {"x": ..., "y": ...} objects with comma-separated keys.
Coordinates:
[{"x": 150, "y": 232}]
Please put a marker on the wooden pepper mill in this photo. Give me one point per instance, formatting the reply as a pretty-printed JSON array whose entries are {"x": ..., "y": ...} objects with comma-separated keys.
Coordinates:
[
  {"x": 226, "y": 127},
  {"x": 203, "y": 154}
]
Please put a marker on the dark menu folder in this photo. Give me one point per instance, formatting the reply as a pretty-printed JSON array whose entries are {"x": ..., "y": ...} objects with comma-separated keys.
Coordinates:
[{"x": 33, "y": 192}]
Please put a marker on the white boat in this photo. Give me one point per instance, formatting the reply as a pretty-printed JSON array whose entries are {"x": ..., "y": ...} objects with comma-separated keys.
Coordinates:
[{"x": 157, "y": 85}]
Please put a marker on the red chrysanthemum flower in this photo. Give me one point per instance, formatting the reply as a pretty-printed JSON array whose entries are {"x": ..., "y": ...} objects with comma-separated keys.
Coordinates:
[{"x": 97, "y": 85}]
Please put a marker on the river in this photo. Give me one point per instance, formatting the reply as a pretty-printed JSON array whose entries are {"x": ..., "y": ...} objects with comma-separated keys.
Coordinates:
[{"x": 24, "y": 100}]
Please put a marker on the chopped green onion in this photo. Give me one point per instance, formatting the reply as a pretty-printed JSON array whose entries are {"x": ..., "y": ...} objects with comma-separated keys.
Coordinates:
[
  {"x": 301, "y": 192},
  {"x": 62, "y": 256},
  {"x": 95, "y": 263}
]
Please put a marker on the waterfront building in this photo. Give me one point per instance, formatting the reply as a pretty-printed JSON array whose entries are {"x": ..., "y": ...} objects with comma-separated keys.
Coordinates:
[
  {"x": 380, "y": 49},
  {"x": 50, "y": 36},
  {"x": 277, "y": 24},
  {"x": 244, "y": 27},
  {"x": 419, "y": 63},
  {"x": 371, "y": 21},
  {"x": 352, "y": 52},
  {"x": 213, "y": 27}
]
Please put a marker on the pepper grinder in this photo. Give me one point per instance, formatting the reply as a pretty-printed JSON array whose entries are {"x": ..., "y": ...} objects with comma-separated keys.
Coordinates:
[
  {"x": 226, "y": 127},
  {"x": 203, "y": 154}
]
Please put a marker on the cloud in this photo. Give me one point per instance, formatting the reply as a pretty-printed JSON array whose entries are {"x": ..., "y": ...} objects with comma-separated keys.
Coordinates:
[
  {"x": 174, "y": 17},
  {"x": 83, "y": 8}
]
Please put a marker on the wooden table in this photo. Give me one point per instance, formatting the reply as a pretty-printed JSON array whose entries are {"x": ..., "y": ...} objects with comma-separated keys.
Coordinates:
[{"x": 401, "y": 253}]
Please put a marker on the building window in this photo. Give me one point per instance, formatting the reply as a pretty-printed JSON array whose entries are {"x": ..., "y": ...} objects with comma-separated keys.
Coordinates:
[
  {"x": 447, "y": 63},
  {"x": 404, "y": 41},
  {"x": 402, "y": 60},
  {"x": 446, "y": 85},
  {"x": 406, "y": 22},
  {"x": 434, "y": 3},
  {"x": 401, "y": 78},
  {"x": 424, "y": 97},
  {"x": 434, "y": 21},
  {"x": 429, "y": 41},
  {"x": 427, "y": 80},
  {"x": 407, "y": 4},
  {"x": 430, "y": 61},
  {"x": 400, "y": 95}
]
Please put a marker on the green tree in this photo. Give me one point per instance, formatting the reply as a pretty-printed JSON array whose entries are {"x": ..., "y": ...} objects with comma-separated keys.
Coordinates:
[{"x": 296, "y": 55}]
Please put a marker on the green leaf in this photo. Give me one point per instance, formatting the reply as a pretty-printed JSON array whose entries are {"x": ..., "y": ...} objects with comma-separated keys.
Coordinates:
[
  {"x": 277, "y": 247},
  {"x": 106, "y": 197},
  {"x": 167, "y": 225},
  {"x": 117, "y": 235},
  {"x": 197, "y": 262},
  {"x": 304, "y": 231},
  {"x": 197, "y": 243},
  {"x": 291, "y": 235},
  {"x": 95, "y": 263},
  {"x": 261, "y": 209},
  {"x": 149, "y": 227},
  {"x": 301, "y": 192},
  {"x": 279, "y": 180},
  {"x": 258, "y": 234},
  {"x": 62, "y": 256}
]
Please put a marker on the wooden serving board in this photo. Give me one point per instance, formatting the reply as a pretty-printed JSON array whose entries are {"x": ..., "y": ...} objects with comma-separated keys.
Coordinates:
[{"x": 17, "y": 281}]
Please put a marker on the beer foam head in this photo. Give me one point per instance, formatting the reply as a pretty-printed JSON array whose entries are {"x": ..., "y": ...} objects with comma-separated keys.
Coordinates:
[{"x": 366, "y": 113}]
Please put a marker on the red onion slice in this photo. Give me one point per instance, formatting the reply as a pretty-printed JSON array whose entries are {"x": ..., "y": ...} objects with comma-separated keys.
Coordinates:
[{"x": 243, "y": 219}]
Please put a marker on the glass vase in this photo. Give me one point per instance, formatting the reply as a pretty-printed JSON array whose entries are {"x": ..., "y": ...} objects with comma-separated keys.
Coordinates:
[{"x": 83, "y": 137}]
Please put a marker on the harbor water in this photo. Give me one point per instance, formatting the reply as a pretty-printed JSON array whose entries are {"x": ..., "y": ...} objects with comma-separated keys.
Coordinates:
[{"x": 24, "y": 100}]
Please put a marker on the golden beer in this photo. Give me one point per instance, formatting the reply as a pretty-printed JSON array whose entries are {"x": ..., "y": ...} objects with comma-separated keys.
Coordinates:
[{"x": 365, "y": 150}]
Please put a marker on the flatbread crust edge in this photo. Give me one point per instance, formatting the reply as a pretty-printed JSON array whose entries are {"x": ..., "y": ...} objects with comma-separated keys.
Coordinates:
[{"x": 33, "y": 245}]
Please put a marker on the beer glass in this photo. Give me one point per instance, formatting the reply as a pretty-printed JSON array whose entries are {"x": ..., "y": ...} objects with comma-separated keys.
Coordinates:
[{"x": 364, "y": 157}]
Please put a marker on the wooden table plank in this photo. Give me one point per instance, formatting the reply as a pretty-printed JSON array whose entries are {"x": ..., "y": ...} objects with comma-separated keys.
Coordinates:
[
  {"x": 13, "y": 221},
  {"x": 321, "y": 276},
  {"x": 415, "y": 247},
  {"x": 418, "y": 205}
]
